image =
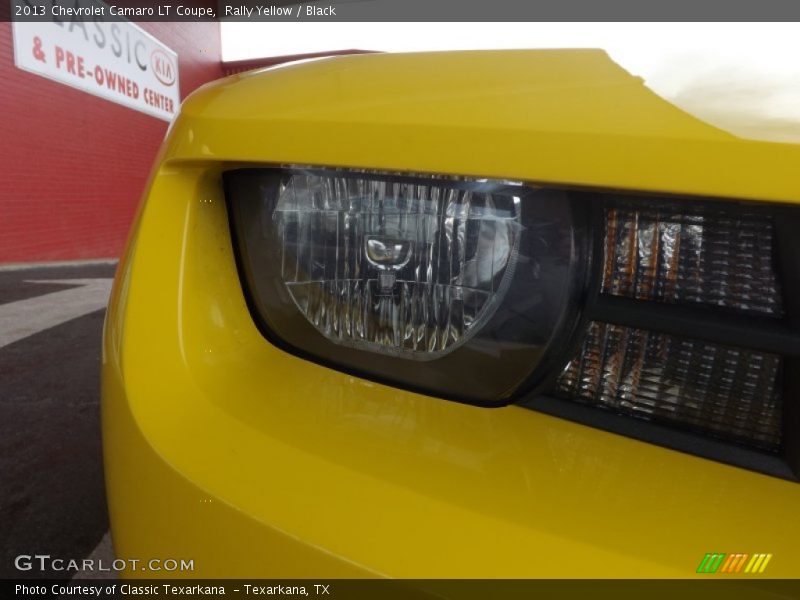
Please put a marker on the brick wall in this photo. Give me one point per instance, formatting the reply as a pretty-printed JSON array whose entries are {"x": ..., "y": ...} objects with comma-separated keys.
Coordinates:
[{"x": 74, "y": 165}]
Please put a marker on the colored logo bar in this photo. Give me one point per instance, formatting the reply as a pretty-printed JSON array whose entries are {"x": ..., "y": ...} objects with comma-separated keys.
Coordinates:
[{"x": 719, "y": 562}]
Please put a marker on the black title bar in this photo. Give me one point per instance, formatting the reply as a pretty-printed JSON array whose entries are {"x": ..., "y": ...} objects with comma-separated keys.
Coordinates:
[
  {"x": 711, "y": 588},
  {"x": 404, "y": 10}
]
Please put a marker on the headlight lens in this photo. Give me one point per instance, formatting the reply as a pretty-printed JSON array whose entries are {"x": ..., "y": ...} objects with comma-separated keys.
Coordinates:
[
  {"x": 467, "y": 289},
  {"x": 400, "y": 268}
]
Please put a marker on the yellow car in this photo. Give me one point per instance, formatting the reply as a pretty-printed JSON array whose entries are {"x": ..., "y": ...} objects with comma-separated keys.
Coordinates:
[{"x": 454, "y": 315}]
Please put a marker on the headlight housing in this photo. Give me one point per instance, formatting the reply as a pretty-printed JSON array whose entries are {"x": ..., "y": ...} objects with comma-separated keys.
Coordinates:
[{"x": 467, "y": 289}]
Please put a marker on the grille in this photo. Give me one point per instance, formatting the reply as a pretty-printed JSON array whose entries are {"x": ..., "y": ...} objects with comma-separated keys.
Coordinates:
[{"x": 671, "y": 269}]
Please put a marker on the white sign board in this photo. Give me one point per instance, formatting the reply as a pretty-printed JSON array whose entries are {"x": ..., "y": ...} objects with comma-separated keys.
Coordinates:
[{"x": 113, "y": 59}]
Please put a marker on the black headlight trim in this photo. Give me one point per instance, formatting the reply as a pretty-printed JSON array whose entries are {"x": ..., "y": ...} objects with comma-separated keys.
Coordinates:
[{"x": 567, "y": 331}]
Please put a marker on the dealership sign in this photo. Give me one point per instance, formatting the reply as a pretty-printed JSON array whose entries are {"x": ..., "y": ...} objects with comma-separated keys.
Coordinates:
[{"x": 113, "y": 59}]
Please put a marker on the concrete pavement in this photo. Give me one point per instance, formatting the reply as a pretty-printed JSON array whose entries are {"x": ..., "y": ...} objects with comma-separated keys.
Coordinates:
[{"x": 52, "y": 497}]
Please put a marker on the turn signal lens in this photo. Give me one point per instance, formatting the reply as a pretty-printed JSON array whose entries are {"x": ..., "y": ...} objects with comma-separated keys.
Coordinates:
[
  {"x": 462, "y": 288},
  {"x": 680, "y": 253},
  {"x": 729, "y": 393}
]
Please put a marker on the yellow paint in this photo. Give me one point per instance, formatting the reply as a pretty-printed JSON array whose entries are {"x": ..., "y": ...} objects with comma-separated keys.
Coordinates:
[
  {"x": 767, "y": 558},
  {"x": 223, "y": 449},
  {"x": 752, "y": 562}
]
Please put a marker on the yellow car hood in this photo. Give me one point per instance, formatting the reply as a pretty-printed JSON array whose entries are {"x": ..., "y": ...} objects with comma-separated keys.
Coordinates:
[{"x": 570, "y": 117}]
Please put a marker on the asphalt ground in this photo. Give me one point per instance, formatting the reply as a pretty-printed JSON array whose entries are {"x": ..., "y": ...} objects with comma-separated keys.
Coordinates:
[{"x": 52, "y": 496}]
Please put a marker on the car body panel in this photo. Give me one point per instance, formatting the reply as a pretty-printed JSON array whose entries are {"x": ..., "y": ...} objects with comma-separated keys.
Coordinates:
[
  {"x": 224, "y": 449},
  {"x": 570, "y": 117}
]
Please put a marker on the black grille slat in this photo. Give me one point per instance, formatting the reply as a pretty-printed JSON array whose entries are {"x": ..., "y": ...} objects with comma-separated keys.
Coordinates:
[{"x": 700, "y": 322}]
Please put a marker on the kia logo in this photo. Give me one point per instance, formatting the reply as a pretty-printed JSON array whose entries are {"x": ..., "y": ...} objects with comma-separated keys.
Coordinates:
[{"x": 163, "y": 67}]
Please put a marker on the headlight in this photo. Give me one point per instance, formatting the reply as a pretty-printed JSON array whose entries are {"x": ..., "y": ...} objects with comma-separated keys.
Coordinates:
[{"x": 466, "y": 289}]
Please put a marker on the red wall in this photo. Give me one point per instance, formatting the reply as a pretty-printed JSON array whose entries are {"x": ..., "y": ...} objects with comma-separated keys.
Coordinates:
[{"x": 72, "y": 165}]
